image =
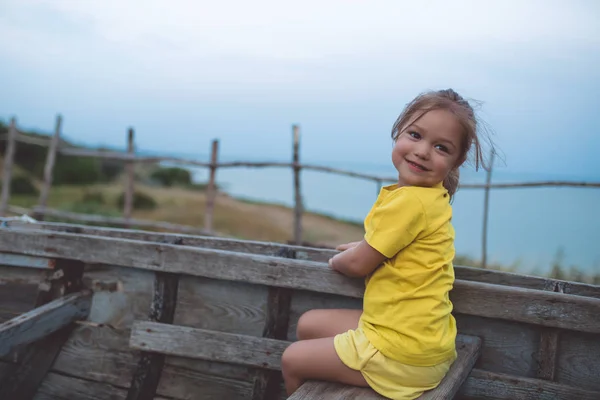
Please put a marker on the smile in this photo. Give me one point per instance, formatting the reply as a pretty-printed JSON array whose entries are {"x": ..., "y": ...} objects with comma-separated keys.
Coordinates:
[{"x": 416, "y": 166}]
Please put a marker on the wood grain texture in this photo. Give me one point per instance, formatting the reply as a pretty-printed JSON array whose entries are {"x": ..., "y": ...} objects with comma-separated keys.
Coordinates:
[
  {"x": 150, "y": 365},
  {"x": 102, "y": 354},
  {"x": 508, "y": 347},
  {"x": 578, "y": 362},
  {"x": 494, "y": 301},
  {"x": 468, "y": 349},
  {"x": 18, "y": 290},
  {"x": 43, "y": 321},
  {"x": 36, "y": 359},
  {"x": 234, "y": 307},
  {"x": 267, "y": 384},
  {"x": 314, "y": 390},
  {"x": 484, "y": 385},
  {"x": 548, "y": 350},
  {"x": 207, "y": 345},
  {"x": 60, "y": 387},
  {"x": 19, "y": 260},
  {"x": 315, "y": 254}
]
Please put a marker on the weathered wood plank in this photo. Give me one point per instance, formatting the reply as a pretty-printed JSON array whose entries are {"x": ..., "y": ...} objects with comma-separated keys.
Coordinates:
[
  {"x": 508, "y": 347},
  {"x": 267, "y": 384},
  {"x": 61, "y": 387},
  {"x": 468, "y": 349},
  {"x": 234, "y": 307},
  {"x": 494, "y": 301},
  {"x": 312, "y": 254},
  {"x": 150, "y": 365},
  {"x": 548, "y": 349},
  {"x": 101, "y": 353},
  {"x": 207, "y": 345},
  {"x": 313, "y": 390},
  {"x": 484, "y": 385},
  {"x": 19, "y": 260},
  {"x": 37, "y": 358},
  {"x": 578, "y": 362},
  {"x": 42, "y": 321}
]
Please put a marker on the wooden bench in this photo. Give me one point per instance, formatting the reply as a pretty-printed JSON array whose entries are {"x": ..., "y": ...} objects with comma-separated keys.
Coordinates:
[{"x": 266, "y": 353}]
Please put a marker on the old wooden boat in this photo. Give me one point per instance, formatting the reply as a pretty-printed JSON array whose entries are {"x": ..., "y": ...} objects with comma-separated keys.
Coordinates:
[{"x": 97, "y": 313}]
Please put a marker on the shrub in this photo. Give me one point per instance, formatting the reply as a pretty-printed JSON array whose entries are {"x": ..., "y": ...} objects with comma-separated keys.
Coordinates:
[
  {"x": 141, "y": 201},
  {"x": 172, "y": 176},
  {"x": 23, "y": 185},
  {"x": 93, "y": 197}
]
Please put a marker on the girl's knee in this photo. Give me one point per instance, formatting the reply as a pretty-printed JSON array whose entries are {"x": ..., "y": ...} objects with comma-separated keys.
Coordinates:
[{"x": 307, "y": 323}]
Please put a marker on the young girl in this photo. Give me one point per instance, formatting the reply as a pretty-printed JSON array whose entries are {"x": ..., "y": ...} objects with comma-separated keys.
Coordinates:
[{"x": 403, "y": 341}]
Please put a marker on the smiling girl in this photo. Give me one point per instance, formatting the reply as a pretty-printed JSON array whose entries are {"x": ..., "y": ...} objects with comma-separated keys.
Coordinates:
[{"x": 402, "y": 343}]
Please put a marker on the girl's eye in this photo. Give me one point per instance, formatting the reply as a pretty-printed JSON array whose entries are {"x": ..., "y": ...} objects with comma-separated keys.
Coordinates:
[
  {"x": 441, "y": 147},
  {"x": 414, "y": 134}
]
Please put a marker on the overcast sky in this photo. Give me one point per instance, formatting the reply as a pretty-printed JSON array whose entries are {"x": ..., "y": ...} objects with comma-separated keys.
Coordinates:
[{"x": 184, "y": 72}]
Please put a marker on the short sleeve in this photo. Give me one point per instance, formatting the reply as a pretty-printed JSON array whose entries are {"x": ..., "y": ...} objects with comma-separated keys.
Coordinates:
[{"x": 395, "y": 223}]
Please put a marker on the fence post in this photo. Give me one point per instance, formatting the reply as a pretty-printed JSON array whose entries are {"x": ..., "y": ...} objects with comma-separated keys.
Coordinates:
[
  {"x": 486, "y": 202},
  {"x": 129, "y": 179},
  {"x": 211, "y": 189},
  {"x": 298, "y": 208},
  {"x": 9, "y": 156},
  {"x": 48, "y": 170}
]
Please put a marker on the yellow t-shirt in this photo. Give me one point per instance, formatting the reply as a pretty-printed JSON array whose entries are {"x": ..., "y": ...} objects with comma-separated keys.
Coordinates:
[{"x": 407, "y": 310}]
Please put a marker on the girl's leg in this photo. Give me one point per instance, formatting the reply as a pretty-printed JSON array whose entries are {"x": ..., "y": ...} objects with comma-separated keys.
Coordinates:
[
  {"x": 314, "y": 355},
  {"x": 316, "y": 324},
  {"x": 316, "y": 359}
]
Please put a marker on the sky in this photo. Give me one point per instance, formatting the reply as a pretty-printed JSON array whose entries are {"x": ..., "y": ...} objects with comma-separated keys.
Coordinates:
[{"x": 184, "y": 72}]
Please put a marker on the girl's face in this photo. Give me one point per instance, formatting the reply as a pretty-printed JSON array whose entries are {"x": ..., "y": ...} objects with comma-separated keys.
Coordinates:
[{"x": 428, "y": 149}]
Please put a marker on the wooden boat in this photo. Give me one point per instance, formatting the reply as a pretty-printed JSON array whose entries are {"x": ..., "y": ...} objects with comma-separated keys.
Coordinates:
[{"x": 97, "y": 313}]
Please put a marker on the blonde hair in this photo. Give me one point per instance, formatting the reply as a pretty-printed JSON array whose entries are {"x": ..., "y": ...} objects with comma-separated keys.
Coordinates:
[{"x": 451, "y": 101}]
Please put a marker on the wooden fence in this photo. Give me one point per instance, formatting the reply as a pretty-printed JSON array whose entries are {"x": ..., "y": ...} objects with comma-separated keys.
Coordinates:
[{"x": 130, "y": 158}]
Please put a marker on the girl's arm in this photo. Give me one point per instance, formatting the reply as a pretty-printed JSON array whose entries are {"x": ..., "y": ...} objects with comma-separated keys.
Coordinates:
[
  {"x": 357, "y": 261},
  {"x": 347, "y": 246}
]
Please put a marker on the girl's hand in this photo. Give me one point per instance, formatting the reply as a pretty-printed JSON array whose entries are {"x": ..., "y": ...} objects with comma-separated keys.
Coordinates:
[{"x": 346, "y": 246}]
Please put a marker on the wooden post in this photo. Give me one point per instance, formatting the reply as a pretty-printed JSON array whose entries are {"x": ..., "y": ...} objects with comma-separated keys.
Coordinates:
[
  {"x": 297, "y": 194},
  {"x": 486, "y": 202},
  {"x": 49, "y": 169},
  {"x": 129, "y": 179},
  {"x": 9, "y": 156},
  {"x": 211, "y": 190}
]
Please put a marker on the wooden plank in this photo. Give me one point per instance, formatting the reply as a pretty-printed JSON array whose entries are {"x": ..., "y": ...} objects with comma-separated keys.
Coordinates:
[
  {"x": 313, "y": 254},
  {"x": 61, "y": 387},
  {"x": 234, "y": 307},
  {"x": 150, "y": 365},
  {"x": 42, "y": 321},
  {"x": 267, "y": 384},
  {"x": 548, "y": 349},
  {"x": 37, "y": 358},
  {"x": 18, "y": 290},
  {"x": 313, "y": 390},
  {"x": 578, "y": 362},
  {"x": 19, "y": 260},
  {"x": 468, "y": 349},
  {"x": 484, "y": 385},
  {"x": 474, "y": 298},
  {"x": 508, "y": 347},
  {"x": 207, "y": 345}
]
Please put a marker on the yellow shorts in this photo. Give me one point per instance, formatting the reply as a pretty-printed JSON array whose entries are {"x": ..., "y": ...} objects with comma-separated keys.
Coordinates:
[{"x": 388, "y": 377}]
